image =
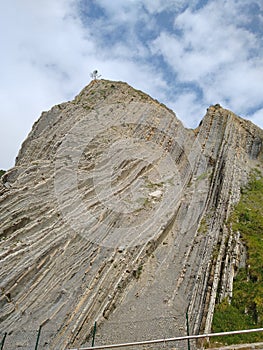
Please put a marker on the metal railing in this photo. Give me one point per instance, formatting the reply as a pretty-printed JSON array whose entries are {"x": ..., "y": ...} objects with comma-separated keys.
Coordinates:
[
  {"x": 136, "y": 344},
  {"x": 158, "y": 341}
]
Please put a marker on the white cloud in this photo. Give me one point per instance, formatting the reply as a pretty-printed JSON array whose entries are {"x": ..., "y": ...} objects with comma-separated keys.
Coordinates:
[
  {"x": 158, "y": 6},
  {"x": 40, "y": 56},
  {"x": 215, "y": 52},
  {"x": 257, "y": 118},
  {"x": 121, "y": 11},
  {"x": 47, "y": 55},
  {"x": 207, "y": 44},
  {"x": 49, "y": 50},
  {"x": 186, "y": 104},
  {"x": 240, "y": 84},
  {"x": 131, "y": 10}
]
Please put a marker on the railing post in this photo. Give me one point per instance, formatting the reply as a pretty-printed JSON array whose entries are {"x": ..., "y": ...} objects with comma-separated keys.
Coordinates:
[
  {"x": 94, "y": 333},
  {"x": 3, "y": 341},
  {"x": 187, "y": 328},
  {"x": 38, "y": 336}
]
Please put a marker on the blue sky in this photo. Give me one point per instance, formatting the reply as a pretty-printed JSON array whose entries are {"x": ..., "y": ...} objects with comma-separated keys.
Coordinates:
[{"x": 186, "y": 54}]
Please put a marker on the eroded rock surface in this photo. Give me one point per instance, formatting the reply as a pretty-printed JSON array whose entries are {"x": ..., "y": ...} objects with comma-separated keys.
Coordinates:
[{"x": 116, "y": 213}]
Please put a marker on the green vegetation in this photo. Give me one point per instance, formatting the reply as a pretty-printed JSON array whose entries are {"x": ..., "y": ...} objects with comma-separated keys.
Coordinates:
[
  {"x": 203, "y": 226},
  {"x": 246, "y": 308},
  {"x": 202, "y": 176},
  {"x": 137, "y": 273},
  {"x": 2, "y": 172},
  {"x": 154, "y": 185}
]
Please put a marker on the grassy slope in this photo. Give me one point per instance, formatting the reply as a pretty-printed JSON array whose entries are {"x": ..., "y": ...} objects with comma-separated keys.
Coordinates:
[{"x": 246, "y": 309}]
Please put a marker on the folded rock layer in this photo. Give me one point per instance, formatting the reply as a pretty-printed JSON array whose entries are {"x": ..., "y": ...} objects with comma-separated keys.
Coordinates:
[{"x": 115, "y": 213}]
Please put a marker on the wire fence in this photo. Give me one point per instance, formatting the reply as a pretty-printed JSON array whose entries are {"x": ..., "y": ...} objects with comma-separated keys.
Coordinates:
[
  {"x": 22, "y": 339},
  {"x": 43, "y": 338},
  {"x": 39, "y": 339}
]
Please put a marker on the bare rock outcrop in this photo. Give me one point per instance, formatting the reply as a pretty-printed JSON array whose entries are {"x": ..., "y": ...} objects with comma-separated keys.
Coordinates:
[{"x": 116, "y": 213}]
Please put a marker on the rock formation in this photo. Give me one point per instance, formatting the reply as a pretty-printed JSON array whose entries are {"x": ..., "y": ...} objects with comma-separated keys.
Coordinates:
[{"x": 115, "y": 213}]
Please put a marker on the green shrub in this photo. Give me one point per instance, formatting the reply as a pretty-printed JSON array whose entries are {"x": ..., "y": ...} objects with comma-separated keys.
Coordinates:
[{"x": 246, "y": 309}]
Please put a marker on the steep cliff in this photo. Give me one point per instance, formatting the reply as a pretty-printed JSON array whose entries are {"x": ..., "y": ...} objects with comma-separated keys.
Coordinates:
[{"x": 115, "y": 212}]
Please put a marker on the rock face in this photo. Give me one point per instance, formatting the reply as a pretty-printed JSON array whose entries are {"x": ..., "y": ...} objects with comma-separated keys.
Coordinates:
[{"x": 116, "y": 213}]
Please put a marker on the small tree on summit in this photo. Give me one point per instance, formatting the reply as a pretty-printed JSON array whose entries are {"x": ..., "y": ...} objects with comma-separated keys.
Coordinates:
[{"x": 95, "y": 75}]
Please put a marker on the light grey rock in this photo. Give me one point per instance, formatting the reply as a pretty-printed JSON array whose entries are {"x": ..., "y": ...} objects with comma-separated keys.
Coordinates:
[{"x": 113, "y": 213}]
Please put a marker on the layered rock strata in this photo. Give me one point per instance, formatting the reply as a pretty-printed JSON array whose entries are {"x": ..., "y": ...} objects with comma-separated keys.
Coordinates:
[{"x": 115, "y": 213}]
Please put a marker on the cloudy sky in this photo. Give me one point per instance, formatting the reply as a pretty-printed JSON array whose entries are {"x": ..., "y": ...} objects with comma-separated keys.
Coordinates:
[{"x": 186, "y": 54}]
